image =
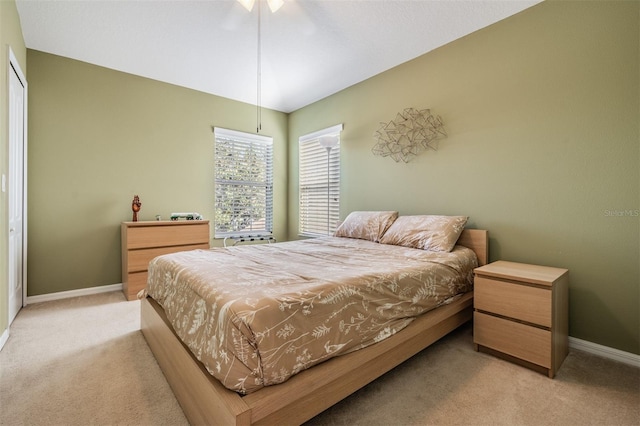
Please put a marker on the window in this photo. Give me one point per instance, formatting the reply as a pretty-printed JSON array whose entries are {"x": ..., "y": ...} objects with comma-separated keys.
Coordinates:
[
  {"x": 319, "y": 183},
  {"x": 244, "y": 184}
]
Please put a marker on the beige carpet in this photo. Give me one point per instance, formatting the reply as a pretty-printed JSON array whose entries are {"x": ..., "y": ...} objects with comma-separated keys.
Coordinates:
[{"x": 83, "y": 361}]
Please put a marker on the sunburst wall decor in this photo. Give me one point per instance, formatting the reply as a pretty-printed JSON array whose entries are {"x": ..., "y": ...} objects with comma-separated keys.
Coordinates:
[{"x": 410, "y": 133}]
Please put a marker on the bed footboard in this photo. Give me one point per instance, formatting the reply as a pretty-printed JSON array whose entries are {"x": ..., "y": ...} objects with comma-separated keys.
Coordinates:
[{"x": 205, "y": 401}]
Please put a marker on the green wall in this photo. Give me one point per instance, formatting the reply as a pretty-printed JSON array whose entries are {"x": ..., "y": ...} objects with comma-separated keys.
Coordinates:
[
  {"x": 97, "y": 137},
  {"x": 10, "y": 37},
  {"x": 542, "y": 115}
]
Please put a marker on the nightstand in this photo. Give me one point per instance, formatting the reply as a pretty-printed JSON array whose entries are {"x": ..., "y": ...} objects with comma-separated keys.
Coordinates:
[{"x": 521, "y": 314}]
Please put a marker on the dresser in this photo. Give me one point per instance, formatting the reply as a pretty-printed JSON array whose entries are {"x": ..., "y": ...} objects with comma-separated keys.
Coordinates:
[
  {"x": 142, "y": 241},
  {"x": 521, "y": 314}
]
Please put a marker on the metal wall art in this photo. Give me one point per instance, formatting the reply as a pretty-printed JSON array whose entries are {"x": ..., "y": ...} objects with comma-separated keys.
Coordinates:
[{"x": 410, "y": 133}]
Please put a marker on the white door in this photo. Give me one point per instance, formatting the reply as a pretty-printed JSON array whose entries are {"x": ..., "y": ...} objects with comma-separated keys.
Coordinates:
[{"x": 16, "y": 188}]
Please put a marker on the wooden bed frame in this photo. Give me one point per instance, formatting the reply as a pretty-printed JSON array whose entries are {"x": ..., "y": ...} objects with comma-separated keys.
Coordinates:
[{"x": 205, "y": 401}]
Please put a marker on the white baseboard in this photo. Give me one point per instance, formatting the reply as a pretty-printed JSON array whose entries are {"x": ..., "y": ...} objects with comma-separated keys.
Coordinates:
[
  {"x": 4, "y": 338},
  {"x": 73, "y": 293},
  {"x": 605, "y": 351}
]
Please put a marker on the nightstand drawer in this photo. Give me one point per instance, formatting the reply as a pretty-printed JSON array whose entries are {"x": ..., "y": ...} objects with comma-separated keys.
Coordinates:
[
  {"x": 513, "y": 300},
  {"x": 519, "y": 340}
]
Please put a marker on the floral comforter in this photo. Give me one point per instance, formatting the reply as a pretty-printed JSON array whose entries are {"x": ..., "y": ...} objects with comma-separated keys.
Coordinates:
[{"x": 255, "y": 315}]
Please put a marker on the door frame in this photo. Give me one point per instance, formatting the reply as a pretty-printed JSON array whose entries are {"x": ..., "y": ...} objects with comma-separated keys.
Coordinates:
[{"x": 14, "y": 66}]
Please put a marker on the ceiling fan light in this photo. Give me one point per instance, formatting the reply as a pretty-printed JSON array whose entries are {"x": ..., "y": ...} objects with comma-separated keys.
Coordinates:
[
  {"x": 248, "y": 4},
  {"x": 274, "y": 5}
]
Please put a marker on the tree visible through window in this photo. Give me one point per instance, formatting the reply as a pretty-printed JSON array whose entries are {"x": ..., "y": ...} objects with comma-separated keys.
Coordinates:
[{"x": 243, "y": 183}]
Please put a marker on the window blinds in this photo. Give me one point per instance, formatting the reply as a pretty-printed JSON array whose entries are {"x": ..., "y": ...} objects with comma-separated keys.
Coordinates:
[
  {"x": 319, "y": 184},
  {"x": 243, "y": 183}
]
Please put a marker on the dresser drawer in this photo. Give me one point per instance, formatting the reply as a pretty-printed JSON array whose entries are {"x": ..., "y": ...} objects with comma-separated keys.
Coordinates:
[
  {"x": 516, "y": 339},
  {"x": 169, "y": 235},
  {"x": 139, "y": 259},
  {"x": 513, "y": 300},
  {"x": 135, "y": 282}
]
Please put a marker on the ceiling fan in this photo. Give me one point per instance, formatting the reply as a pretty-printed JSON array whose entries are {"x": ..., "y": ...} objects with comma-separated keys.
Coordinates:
[{"x": 274, "y": 5}]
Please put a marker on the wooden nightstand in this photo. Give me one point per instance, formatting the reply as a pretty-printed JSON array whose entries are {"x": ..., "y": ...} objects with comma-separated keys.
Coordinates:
[{"x": 521, "y": 314}]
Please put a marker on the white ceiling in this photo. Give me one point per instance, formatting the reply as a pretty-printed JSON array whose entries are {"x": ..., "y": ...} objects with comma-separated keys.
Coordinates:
[{"x": 310, "y": 48}]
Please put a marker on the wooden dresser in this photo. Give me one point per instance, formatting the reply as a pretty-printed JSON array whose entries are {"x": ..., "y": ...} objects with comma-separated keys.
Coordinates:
[
  {"x": 142, "y": 241},
  {"x": 521, "y": 314}
]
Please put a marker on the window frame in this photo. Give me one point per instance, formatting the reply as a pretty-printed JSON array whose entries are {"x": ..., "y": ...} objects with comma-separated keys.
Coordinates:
[{"x": 244, "y": 143}]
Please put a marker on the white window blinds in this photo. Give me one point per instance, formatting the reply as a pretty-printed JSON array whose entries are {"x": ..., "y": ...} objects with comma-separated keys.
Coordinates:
[
  {"x": 243, "y": 183},
  {"x": 319, "y": 183}
]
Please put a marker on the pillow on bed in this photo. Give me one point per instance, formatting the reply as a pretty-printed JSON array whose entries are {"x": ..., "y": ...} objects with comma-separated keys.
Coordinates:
[
  {"x": 427, "y": 232},
  {"x": 366, "y": 225}
]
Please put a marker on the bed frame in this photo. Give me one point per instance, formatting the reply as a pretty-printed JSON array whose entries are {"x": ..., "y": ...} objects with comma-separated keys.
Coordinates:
[{"x": 205, "y": 401}]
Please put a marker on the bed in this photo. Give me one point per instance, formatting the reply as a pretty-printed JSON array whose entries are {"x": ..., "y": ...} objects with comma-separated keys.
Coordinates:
[{"x": 296, "y": 397}]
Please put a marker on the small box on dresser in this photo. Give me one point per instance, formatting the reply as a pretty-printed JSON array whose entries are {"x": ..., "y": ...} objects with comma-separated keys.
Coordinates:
[
  {"x": 142, "y": 241},
  {"x": 521, "y": 314}
]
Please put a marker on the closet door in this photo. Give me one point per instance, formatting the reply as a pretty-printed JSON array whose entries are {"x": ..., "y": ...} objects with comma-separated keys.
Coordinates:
[{"x": 17, "y": 188}]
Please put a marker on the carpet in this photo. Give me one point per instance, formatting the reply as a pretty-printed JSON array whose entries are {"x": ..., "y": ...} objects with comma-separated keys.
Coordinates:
[{"x": 84, "y": 361}]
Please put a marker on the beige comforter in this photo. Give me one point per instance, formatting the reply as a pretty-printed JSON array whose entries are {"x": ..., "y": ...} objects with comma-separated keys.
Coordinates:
[{"x": 255, "y": 315}]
